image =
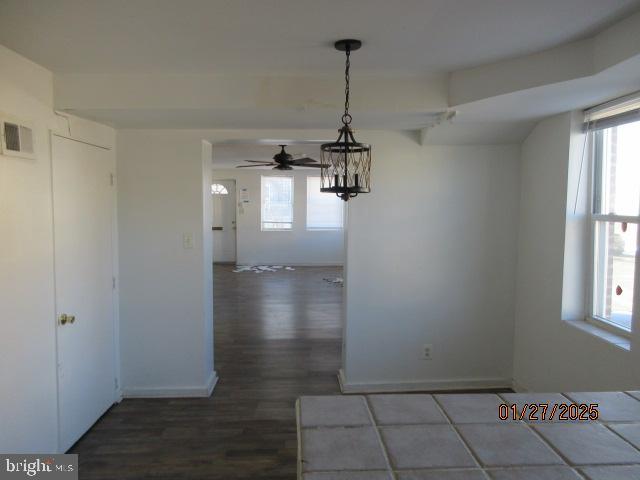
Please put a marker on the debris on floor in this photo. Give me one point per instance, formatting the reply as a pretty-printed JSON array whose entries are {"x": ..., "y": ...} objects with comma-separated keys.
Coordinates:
[
  {"x": 337, "y": 280},
  {"x": 260, "y": 268}
]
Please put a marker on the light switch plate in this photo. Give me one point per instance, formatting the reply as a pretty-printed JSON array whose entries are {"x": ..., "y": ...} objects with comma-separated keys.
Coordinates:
[{"x": 187, "y": 241}]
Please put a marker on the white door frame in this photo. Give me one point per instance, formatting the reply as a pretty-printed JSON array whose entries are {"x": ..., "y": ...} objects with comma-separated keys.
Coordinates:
[
  {"x": 235, "y": 210},
  {"x": 115, "y": 291}
]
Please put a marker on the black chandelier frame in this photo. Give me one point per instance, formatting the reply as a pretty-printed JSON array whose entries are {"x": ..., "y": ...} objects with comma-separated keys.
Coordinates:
[{"x": 346, "y": 163}]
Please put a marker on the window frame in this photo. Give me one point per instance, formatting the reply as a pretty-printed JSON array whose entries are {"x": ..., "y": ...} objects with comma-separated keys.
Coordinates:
[
  {"x": 224, "y": 191},
  {"x": 321, "y": 229},
  {"x": 597, "y": 147},
  {"x": 262, "y": 222}
]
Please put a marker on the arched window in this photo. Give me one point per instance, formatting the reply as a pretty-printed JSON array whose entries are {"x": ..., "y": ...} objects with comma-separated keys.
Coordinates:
[{"x": 218, "y": 189}]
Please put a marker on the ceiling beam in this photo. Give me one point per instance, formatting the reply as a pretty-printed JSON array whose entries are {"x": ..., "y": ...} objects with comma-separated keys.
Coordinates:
[{"x": 615, "y": 45}]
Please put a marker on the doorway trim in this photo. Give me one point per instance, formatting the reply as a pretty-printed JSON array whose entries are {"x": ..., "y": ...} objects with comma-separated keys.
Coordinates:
[
  {"x": 235, "y": 221},
  {"x": 115, "y": 295}
]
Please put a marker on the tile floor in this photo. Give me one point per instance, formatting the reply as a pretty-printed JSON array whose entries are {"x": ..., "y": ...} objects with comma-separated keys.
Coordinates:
[{"x": 461, "y": 437}]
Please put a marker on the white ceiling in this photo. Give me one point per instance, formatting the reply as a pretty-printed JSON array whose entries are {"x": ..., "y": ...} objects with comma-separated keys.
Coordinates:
[{"x": 420, "y": 36}]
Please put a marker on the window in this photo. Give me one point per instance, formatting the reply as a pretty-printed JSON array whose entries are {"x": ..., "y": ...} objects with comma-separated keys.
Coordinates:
[
  {"x": 277, "y": 203},
  {"x": 218, "y": 189},
  {"x": 324, "y": 210},
  {"x": 614, "y": 221}
]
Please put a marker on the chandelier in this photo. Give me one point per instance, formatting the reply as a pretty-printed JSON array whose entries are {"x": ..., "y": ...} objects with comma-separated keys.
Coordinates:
[{"x": 346, "y": 163}]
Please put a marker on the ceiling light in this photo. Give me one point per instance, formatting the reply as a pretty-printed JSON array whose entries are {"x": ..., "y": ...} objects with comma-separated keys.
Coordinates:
[{"x": 346, "y": 163}]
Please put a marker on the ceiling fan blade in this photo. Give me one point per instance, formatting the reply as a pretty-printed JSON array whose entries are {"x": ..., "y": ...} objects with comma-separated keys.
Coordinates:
[
  {"x": 304, "y": 160},
  {"x": 308, "y": 165},
  {"x": 257, "y": 161},
  {"x": 261, "y": 165}
]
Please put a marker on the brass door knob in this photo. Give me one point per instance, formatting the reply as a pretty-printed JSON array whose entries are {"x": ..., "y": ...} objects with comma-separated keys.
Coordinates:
[
  {"x": 71, "y": 318},
  {"x": 63, "y": 319}
]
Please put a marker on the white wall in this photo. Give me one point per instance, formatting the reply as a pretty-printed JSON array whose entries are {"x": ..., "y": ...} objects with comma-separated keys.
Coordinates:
[
  {"x": 206, "y": 288},
  {"x": 28, "y": 398},
  {"x": 164, "y": 179},
  {"x": 296, "y": 247},
  {"x": 431, "y": 259},
  {"x": 27, "y": 344},
  {"x": 551, "y": 353},
  {"x": 166, "y": 289}
]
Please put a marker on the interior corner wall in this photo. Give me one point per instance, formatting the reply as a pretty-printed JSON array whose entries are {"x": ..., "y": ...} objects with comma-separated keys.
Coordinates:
[
  {"x": 28, "y": 372},
  {"x": 164, "y": 296},
  {"x": 296, "y": 247},
  {"x": 551, "y": 354},
  {"x": 431, "y": 260},
  {"x": 28, "y": 401}
]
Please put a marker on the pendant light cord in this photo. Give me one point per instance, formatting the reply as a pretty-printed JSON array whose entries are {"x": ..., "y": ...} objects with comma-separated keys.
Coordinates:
[
  {"x": 346, "y": 118},
  {"x": 584, "y": 150}
]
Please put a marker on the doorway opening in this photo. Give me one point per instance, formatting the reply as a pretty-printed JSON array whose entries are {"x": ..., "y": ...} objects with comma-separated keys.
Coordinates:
[
  {"x": 278, "y": 288},
  {"x": 224, "y": 221}
]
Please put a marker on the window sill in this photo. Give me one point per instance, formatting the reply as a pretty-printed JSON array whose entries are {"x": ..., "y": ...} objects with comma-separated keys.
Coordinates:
[
  {"x": 616, "y": 339},
  {"x": 276, "y": 229}
]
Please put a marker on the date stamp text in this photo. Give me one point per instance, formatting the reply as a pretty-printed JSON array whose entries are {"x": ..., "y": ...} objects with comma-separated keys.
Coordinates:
[{"x": 547, "y": 412}]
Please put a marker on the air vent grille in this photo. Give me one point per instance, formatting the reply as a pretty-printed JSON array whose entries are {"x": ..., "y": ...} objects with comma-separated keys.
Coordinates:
[
  {"x": 12, "y": 137},
  {"x": 16, "y": 139}
]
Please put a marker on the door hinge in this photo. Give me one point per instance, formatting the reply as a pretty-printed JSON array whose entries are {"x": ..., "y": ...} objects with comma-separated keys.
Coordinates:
[
  {"x": 111, "y": 179},
  {"x": 113, "y": 283},
  {"x": 115, "y": 383}
]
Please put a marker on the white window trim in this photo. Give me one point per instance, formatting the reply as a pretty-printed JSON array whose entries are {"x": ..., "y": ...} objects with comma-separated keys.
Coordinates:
[
  {"x": 293, "y": 210},
  {"x": 590, "y": 317},
  {"x": 604, "y": 324}
]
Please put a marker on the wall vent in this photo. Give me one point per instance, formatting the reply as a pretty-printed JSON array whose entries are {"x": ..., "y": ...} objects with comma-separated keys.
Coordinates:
[{"x": 16, "y": 139}]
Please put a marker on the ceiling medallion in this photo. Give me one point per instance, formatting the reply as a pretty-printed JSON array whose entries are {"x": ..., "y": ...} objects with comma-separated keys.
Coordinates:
[{"x": 346, "y": 163}]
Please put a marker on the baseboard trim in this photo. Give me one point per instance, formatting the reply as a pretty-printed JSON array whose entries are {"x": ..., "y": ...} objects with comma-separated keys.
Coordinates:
[
  {"x": 212, "y": 382},
  {"x": 422, "y": 386},
  {"x": 173, "y": 392},
  {"x": 518, "y": 388}
]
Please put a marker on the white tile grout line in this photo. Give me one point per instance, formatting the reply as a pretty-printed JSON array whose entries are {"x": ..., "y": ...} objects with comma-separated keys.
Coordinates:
[
  {"x": 629, "y": 394},
  {"x": 608, "y": 427},
  {"x": 529, "y": 426},
  {"x": 376, "y": 428},
  {"x": 464, "y": 443}
]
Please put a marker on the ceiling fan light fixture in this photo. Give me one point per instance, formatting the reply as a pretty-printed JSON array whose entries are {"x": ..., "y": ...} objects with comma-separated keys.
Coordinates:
[
  {"x": 284, "y": 161},
  {"x": 346, "y": 163}
]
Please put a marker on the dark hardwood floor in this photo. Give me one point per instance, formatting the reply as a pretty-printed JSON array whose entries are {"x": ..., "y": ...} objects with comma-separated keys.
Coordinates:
[{"x": 277, "y": 336}]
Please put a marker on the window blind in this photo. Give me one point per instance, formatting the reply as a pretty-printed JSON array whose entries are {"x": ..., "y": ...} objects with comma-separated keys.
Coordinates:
[{"x": 611, "y": 114}]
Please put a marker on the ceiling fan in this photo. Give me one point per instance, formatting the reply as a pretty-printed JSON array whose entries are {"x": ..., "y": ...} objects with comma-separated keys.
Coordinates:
[{"x": 284, "y": 161}]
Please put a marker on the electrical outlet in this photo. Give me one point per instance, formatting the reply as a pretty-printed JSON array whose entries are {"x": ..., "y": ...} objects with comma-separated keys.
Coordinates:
[{"x": 427, "y": 351}]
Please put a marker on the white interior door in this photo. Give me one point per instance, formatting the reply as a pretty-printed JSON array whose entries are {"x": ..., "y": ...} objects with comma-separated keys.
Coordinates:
[
  {"x": 83, "y": 211},
  {"x": 224, "y": 222}
]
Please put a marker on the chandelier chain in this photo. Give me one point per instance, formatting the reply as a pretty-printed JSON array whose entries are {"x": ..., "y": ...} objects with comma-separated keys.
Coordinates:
[{"x": 346, "y": 118}]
